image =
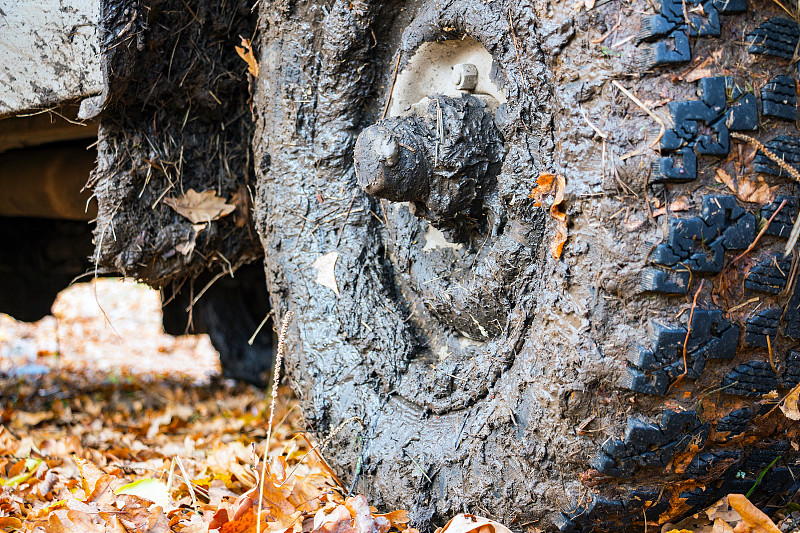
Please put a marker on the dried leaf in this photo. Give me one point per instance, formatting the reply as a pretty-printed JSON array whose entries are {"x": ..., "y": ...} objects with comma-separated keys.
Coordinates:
[
  {"x": 325, "y": 265},
  {"x": 758, "y": 191},
  {"x": 753, "y": 519},
  {"x": 149, "y": 489},
  {"x": 679, "y": 204},
  {"x": 10, "y": 522},
  {"x": 791, "y": 404},
  {"x": 465, "y": 523},
  {"x": 722, "y": 510},
  {"x": 246, "y": 52},
  {"x": 241, "y": 199},
  {"x": 90, "y": 474},
  {"x": 364, "y": 521},
  {"x": 544, "y": 183},
  {"x": 21, "y": 419},
  {"x": 559, "y": 213},
  {"x": 200, "y": 207},
  {"x": 721, "y": 526}
]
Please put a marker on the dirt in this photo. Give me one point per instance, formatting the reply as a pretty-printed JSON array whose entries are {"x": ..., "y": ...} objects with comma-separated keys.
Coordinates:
[
  {"x": 376, "y": 351},
  {"x": 452, "y": 419},
  {"x": 478, "y": 371},
  {"x": 175, "y": 117}
]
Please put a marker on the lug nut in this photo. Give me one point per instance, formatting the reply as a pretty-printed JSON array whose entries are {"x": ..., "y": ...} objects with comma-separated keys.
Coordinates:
[{"x": 465, "y": 76}]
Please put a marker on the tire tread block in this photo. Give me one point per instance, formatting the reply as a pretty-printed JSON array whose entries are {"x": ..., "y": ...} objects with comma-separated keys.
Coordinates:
[
  {"x": 779, "y": 99},
  {"x": 733, "y": 424},
  {"x": 776, "y": 37},
  {"x": 791, "y": 376},
  {"x": 754, "y": 379},
  {"x": 711, "y": 337},
  {"x": 718, "y": 114},
  {"x": 647, "y": 444},
  {"x": 769, "y": 275},
  {"x": 787, "y": 148},
  {"x": 722, "y": 225},
  {"x": 764, "y": 323},
  {"x": 781, "y": 225}
]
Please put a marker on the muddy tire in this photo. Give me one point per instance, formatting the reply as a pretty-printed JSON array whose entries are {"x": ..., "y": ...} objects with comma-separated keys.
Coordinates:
[
  {"x": 230, "y": 312},
  {"x": 634, "y": 378}
]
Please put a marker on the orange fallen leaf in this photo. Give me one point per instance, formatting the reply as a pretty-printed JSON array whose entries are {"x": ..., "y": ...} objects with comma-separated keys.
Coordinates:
[
  {"x": 758, "y": 191},
  {"x": 679, "y": 204},
  {"x": 544, "y": 183},
  {"x": 559, "y": 213},
  {"x": 90, "y": 474},
  {"x": 246, "y": 52},
  {"x": 791, "y": 404},
  {"x": 753, "y": 519}
]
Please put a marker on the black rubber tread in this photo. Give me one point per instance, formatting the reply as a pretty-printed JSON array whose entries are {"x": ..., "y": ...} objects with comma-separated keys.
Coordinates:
[
  {"x": 723, "y": 107},
  {"x": 781, "y": 225},
  {"x": 777, "y": 37},
  {"x": 779, "y": 99},
  {"x": 727, "y": 450},
  {"x": 646, "y": 444},
  {"x": 672, "y": 24},
  {"x": 732, "y": 425},
  {"x": 653, "y": 369},
  {"x": 755, "y": 379},
  {"x": 791, "y": 376},
  {"x": 764, "y": 323},
  {"x": 699, "y": 243},
  {"x": 769, "y": 275},
  {"x": 787, "y": 147},
  {"x": 670, "y": 281},
  {"x": 703, "y": 464}
]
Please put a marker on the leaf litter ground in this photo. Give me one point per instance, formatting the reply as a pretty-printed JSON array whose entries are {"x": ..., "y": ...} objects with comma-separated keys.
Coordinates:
[{"x": 109, "y": 425}]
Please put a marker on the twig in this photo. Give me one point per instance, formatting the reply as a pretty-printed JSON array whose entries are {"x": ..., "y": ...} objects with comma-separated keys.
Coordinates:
[
  {"x": 252, "y": 339},
  {"x": 609, "y": 32},
  {"x": 793, "y": 172},
  {"x": 771, "y": 355},
  {"x": 688, "y": 332},
  {"x": 597, "y": 130},
  {"x": 639, "y": 103},
  {"x": 187, "y": 479},
  {"x": 737, "y": 307},
  {"x": 514, "y": 40},
  {"x": 391, "y": 87},
  {"x": 275, "y": 376},
  {"x": 760, "y": 234},
  {"x": 203, "y": 291},
  {"x": 322, "y": 460},
  {"x": 349, "y": 208},
  {"x": 789, "y": 169},
  {"x": 322, "y": 446}
]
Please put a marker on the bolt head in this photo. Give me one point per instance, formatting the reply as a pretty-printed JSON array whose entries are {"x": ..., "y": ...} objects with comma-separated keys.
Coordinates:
[{"x": 465, "y": 76}]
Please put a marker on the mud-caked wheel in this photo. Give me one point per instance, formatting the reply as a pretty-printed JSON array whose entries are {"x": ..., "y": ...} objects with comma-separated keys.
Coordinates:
[
  {"x": 231, "y": 312},
  {"x": 415, "y": 228}
]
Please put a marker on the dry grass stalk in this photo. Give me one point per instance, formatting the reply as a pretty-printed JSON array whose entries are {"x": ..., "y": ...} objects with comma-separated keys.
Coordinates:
[
  {"x": 276, "y": 374},
  {"x": 786, "y": 167}
]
